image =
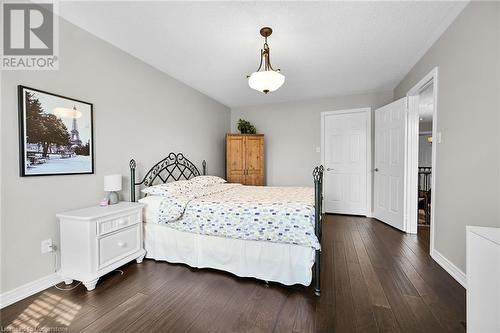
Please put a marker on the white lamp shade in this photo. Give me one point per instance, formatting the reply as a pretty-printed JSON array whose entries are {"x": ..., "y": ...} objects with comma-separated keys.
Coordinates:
[
  {"x": 112, "y": 183},
  {"x": 266, "y": 81}
]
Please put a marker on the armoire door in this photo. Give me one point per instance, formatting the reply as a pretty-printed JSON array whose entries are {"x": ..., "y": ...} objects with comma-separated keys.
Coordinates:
[
  {"x": 254, "y": 160},
  {"x": 235, "y": 159}
]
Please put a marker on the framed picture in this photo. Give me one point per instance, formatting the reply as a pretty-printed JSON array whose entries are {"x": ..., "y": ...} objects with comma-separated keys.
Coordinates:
[{"x": 55, "y": 134}]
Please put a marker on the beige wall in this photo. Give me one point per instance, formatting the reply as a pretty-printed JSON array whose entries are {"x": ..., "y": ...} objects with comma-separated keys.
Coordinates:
[
  {"x": 138, "y": 112},
  {"x": 292, "y": 132},
  {"x": 468, "y": 159}
]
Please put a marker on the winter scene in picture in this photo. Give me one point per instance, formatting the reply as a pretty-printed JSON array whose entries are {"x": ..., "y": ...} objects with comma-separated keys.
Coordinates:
[{"x": 57, "y": 134}]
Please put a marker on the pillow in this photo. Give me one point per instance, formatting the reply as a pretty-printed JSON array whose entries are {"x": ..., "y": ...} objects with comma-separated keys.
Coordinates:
[
  {"x": 207, "y": 180},
  {"x": 170, "y": 189}
]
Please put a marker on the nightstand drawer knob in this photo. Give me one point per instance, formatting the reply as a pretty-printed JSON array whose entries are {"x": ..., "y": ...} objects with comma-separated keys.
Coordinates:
[{"x": 122, "y": 244}]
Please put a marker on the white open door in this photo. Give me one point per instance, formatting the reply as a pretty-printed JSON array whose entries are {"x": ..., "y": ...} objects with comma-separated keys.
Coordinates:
[
  {"x": 344, "y": 144},
  {"x": 390, "y": 157}
]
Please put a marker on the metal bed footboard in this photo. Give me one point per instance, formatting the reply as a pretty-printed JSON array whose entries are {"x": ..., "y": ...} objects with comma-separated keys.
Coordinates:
[{"x": 318, "y": 220}]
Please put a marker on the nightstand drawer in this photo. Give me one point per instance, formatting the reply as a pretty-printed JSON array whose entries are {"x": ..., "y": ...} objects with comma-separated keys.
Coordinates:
[
  {"x": 116, "y": 223},
  {"x": 119, "y": 244}
]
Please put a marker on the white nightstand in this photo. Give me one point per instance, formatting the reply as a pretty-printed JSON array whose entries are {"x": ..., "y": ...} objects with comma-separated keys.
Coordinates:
[{"x": 97, "y": 240}]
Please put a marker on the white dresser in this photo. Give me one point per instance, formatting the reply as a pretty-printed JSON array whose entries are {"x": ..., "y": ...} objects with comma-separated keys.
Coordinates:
[
  {"x": 483, "y": 279},
  {"x": 97, "y": 240}
]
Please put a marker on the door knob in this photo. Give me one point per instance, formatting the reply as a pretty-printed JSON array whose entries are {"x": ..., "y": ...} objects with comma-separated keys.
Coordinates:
[{"x": 376, "y": 169}]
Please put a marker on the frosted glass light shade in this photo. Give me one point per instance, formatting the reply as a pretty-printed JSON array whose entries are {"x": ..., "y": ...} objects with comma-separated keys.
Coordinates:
[
  {"x": 266, "y": 81},
  {"x": 112, "y": 183}
]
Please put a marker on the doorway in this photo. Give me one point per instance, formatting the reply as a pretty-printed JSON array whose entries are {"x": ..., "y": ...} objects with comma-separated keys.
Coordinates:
[
  {"x": 405, "y": 160},
  {"x": 346, "y": 156},
  {"x": 425, "y": 155},
  {"x": 422, "y": 141}
]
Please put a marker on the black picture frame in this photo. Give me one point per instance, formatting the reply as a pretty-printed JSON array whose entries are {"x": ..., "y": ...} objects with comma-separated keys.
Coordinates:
[{"x": 67, "y": 151}]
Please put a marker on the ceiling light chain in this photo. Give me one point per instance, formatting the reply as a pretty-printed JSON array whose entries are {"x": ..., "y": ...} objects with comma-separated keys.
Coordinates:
[{"x": 269, "y": 79}]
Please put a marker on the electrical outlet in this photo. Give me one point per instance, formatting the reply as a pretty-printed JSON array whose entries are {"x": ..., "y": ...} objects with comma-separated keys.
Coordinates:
[
  {"x": 318, "y": 149},
  {"x": 47, "y": 246}
]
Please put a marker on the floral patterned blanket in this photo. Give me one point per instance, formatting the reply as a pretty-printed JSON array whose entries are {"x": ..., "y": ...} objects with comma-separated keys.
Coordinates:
[{"x": 275, "y": 214}]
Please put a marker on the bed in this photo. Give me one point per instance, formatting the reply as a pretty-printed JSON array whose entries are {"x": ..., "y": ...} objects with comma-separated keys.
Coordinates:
[{"x": 268, "y": 233}]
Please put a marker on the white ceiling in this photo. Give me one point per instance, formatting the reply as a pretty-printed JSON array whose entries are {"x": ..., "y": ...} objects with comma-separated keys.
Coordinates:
[{"x": 323, "y": 48}]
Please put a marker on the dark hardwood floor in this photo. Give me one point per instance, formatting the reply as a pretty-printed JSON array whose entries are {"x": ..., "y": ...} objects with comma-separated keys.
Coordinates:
[{"x": 374, "y": 278}]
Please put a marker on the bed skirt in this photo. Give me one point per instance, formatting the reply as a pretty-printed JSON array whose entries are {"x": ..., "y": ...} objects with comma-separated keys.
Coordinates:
[{"x": 284, "y": 263}]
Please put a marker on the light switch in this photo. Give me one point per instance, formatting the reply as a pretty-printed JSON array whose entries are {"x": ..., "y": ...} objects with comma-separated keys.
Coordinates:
[{"x": 438, "y": 137}]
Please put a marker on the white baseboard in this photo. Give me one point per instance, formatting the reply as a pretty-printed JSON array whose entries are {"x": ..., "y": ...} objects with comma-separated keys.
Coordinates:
[
  {"x": 28, "y": 289},
  {"x": 449, "y": 267}
]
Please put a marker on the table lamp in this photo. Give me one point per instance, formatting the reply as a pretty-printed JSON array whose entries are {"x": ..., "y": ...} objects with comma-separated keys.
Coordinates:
[{"x": 112, "y": 183}]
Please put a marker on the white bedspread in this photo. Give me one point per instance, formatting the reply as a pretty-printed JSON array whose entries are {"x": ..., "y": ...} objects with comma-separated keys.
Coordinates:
[
  {"x": 274, "y": 214},
  {"x": 151, "y": 208},
  {"x": 283, "y": 263}
]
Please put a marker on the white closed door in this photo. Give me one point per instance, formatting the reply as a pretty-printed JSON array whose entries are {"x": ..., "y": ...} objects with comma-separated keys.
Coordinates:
[
  {"x": 344, "y": 159},
  {"x": 389, "y": 171}
]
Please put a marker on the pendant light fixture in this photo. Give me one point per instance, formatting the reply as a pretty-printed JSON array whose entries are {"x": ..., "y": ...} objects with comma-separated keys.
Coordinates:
[{"x": 266, "y": 78}]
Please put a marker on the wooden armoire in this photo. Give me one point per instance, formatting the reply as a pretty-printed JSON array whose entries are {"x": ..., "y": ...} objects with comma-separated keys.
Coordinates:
[{"x": 245, "y": 159}]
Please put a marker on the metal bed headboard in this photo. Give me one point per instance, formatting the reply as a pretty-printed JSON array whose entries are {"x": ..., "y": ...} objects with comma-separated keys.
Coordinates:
[{"x": 172, "y": 168}]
